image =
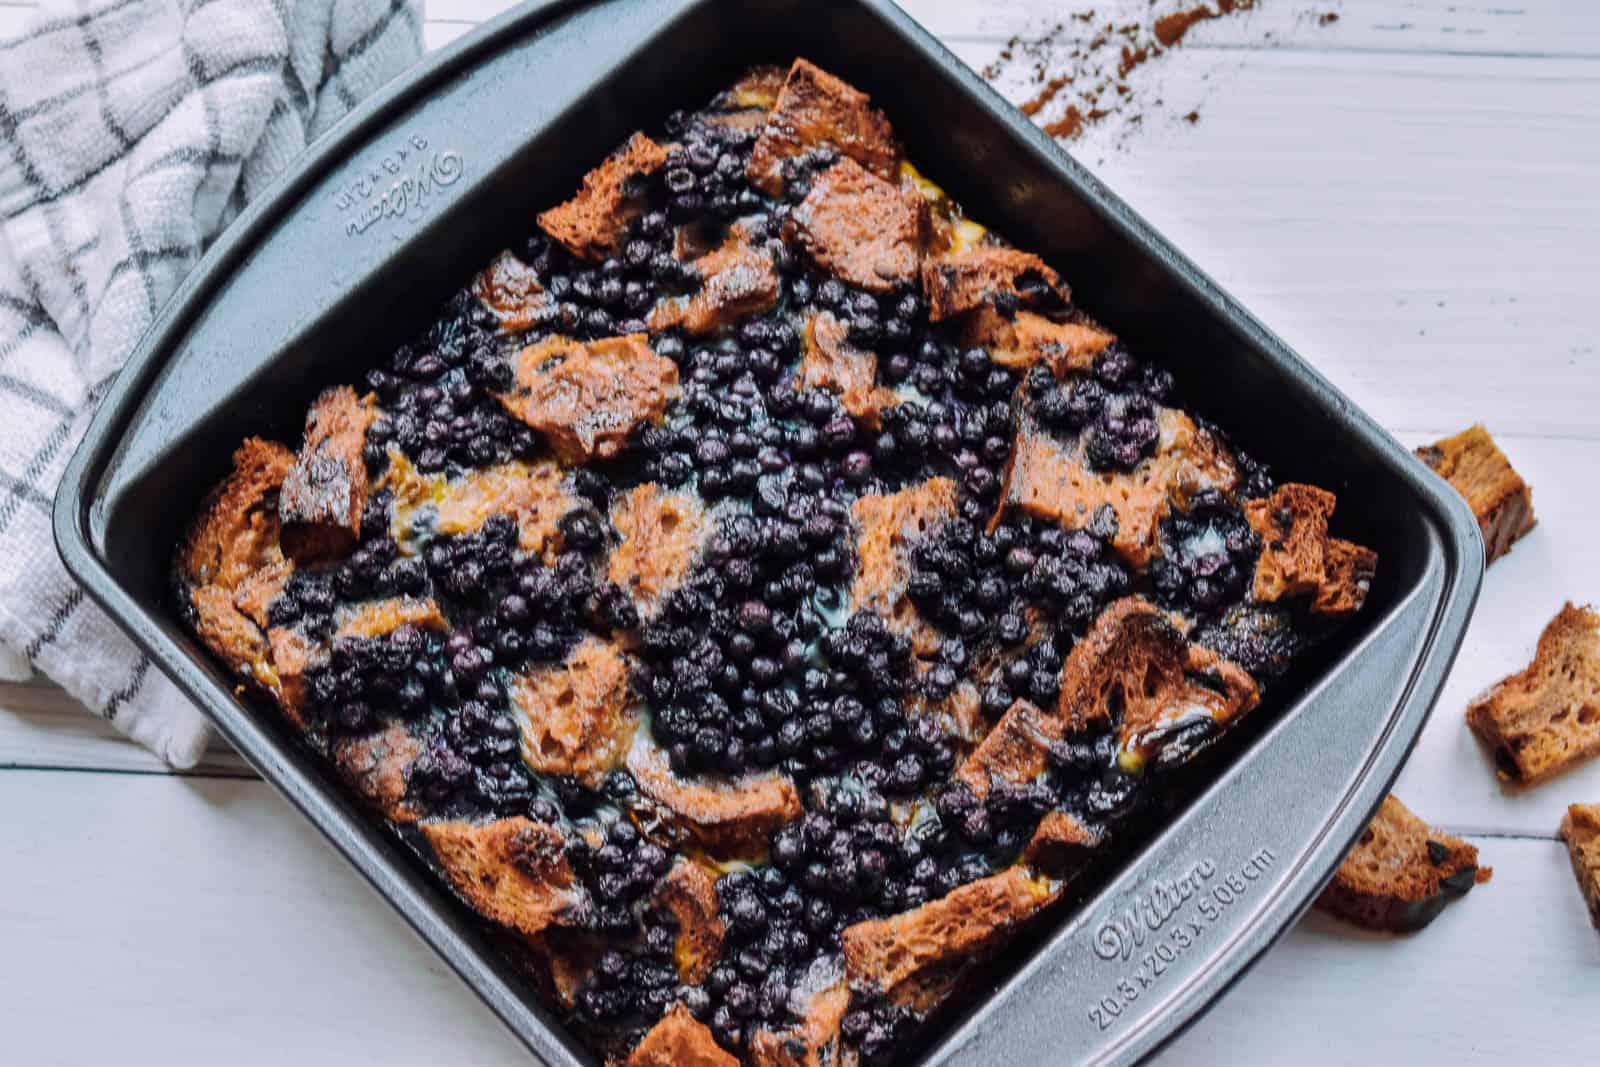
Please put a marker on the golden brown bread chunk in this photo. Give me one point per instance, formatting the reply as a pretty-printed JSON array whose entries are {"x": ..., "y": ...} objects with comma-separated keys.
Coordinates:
[
  {"x": 1134, "y": 659},
  {"x": 961, "y": 281},
  {"x": 1061, "y": 842},
  {"x": 1015, "y": 751},
  {"x": 831, "y": 362},
  {"x": 888, "y": 526},
  {"x": 729, "y": 818},
  {"x": 814, "y": 1040},
  {"x": 815, "y": 110},
  {"x": 227, "y": 631},
  {"x": 678, "y": 1040},
  {"x": 254, "y": 595},
  {"x": 576, "y": 716},
  {"x": 662, "y": 535},
  {"x": 592, "y": 223},
  {"x": 1400, "y": 873},
  {"x": 586, "y": 398},
  {"x": 747, "y": 103},
  {"x": 1026, "y": 339},
  {"x": 688, "y": 894},
  {"x": 535, "y": 494},
  {"x": 861, "y": 229},
  {"x": 914, "y": 958},
  {"x": 1049, "y": 480},
  {"x": 293, "y": 654},
  {"x": 512, "y": 871},
  {"x": 737, "y": 280},
  {"x": 377, "y": 766},
  {"x": 1299, "y": 559},
  {"x": 1546, "y": 717},
  {"x": 325, "y": 491},
  {"x": 1476, "y": 468},
  {"x": 1580, "y": 829},
  {"x": 510, "y": 288},
  {"x": 378, "y": 617},
  {"x": 236, "y": 530}
]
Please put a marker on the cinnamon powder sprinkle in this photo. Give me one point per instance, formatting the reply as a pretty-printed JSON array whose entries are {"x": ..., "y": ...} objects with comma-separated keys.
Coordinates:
[{"x": 1082, "y": 71}]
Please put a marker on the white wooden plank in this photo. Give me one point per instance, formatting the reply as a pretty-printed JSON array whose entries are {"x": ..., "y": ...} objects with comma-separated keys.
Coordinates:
[
  {"x": 41, "y": 726},
  {"x": 1529, "y": 27},
  {"x": 1507, "y": 975},
  {"x": 201, "y": 922}
]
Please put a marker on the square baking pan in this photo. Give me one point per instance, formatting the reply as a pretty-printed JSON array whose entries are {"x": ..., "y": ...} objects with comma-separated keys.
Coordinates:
[{"x": 353, "y": 252}]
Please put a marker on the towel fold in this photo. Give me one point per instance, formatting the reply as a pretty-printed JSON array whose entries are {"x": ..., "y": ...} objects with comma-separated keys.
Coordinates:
[{"x": 131, "y": 133}]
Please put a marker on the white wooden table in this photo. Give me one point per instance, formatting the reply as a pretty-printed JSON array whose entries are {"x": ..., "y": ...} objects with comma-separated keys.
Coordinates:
[{"x": 1408, "y": 195}]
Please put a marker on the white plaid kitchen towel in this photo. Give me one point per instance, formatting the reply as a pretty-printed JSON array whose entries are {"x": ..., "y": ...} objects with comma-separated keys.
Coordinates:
[{"x": 131, "y": 133}]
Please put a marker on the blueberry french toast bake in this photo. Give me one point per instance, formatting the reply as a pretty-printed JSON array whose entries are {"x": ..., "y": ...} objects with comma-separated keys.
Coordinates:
[{"x": 762, "y": 591}]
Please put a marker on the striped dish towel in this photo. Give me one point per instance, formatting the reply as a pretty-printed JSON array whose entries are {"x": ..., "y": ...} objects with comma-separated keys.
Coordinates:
[{"x": 131, "y": 133}]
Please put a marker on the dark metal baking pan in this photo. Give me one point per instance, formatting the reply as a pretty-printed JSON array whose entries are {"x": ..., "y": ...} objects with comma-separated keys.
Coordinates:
[{"x": 353, "y": 252}]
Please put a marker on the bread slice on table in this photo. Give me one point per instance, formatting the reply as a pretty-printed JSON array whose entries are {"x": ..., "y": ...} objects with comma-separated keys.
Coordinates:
[
  {"x": 1476, "y": 468},
  {"x": 1581, "y": 830},
  {"x": 1546, "y": 717},
  {"x": 1401, "y": 873}
]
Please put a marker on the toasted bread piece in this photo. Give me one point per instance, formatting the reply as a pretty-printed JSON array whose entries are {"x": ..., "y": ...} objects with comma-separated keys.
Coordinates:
[
  {"x": 1015, "y": 751},
  {"x": 863, "y": 230},
  {"x": 678, "y": 1040},
  {"x": 1024, "y": 339},
  {"x": 325, "y": 491},
  {"x": 831, "y": 362},
  {"x": 816, "y": 110},
  {"x": 377, "y": 766},
  {"x": 586, "y": 398},
  {"x": 293, "y": 655},
  {"x": 913, "y": 959},
  {"x": 1052, "y": 481},
  {"x": 728, "y": 818},
  {"x": 236, "y": 530},
  {"x": 688, "y": 894},
  {"x": 1580, "y": 828},
  {"x": 958, "y": 282},
  {"x": 1546, "y": 717},
  {"x": 1299, "y": 559},
  {"x": 737, "y": 280},
  {"x": 662, "y": 537},
  {"x": 1061, "y": 843},
  {"x": 1476, "y": 468},
  {"x": 227, "y": 631},
  {"x": 535, "y": 494},
  {"x": 378, "y": 617},
  {"x": 510, "y": 288},
  {"x": 814, "y": 1040},
  {"x": 576, "y": 716},
  {"x": 1400, "y": 873},
  {"x": 254, "y": 595},
  {"x": 512, "y": 871},
  {"x": 592, "y": 223},
  {"x": 1134, "y": 659},
  {"x": 887, "y": 529}
]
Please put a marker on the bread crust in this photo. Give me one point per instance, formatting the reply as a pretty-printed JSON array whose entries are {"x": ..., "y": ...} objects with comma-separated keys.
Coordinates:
[
  {"x": 958, "y": 282},
  {"x": 511, "y": 871},
  {"x": 663, "y": 536},
  {"x": 325, "y": 492},
  {"x": 887, "y": 527},
  {"x": 815, "y": 109},
  {"x": 1580, "y": 829},
  {"x": 736, "y": 280},
  {"x": 1027, "y": 339},
  {"x": 1401, "y": 873},
  {"x": 729, "y": 819},
  {"x": 1546, "y": 717},
  {"x": 1299, "y": 560},
  {"x": 914, "y": 958},
  {"x": 831, "y": 362},
  {"x": 863, "y": 230},
  {"x": 1475, "y": 467},
  {"x": 587, "y": 397},
  {"x": 1052, "y": 481},
  {"x": 679, "y": 1040},
  {"x": 592, "y": 223},
  {"x": 576, "y": 716}
]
